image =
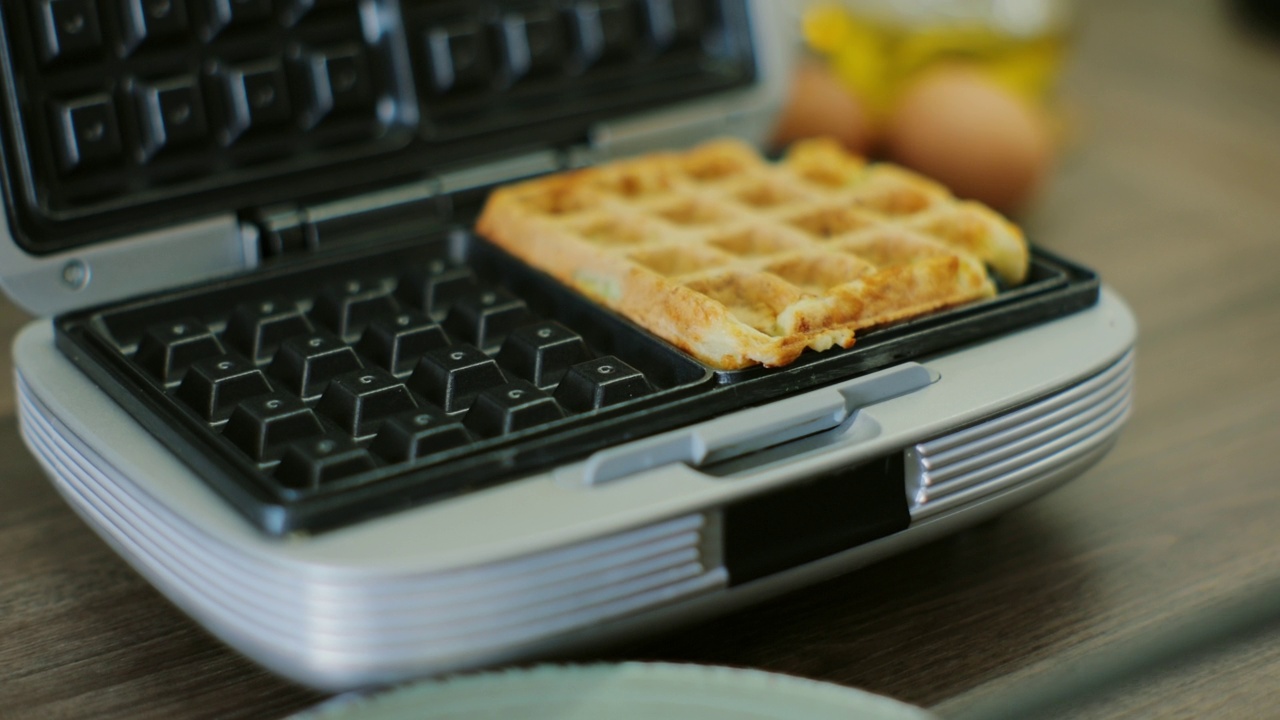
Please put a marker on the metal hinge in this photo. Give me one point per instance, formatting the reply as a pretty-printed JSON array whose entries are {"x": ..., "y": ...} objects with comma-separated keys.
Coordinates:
[{"x": 394, "y": 213}]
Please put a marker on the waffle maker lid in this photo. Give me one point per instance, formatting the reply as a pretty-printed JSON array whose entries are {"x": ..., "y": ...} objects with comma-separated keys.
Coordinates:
[{"x": 155, "y": 143}]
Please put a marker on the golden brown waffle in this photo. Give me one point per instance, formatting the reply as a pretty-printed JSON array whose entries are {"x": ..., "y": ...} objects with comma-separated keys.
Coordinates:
[{"x": 739, "y": 261}]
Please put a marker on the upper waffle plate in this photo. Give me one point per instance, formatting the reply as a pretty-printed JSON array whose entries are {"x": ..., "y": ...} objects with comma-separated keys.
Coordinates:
[{"x": 740, "y": 262}]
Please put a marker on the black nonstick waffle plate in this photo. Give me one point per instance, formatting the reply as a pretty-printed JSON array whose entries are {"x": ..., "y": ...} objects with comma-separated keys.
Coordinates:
[{"x": 320, "y": 393}]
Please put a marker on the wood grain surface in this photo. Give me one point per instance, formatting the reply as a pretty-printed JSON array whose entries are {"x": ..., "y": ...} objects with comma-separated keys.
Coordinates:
[{"x": 1171, "y": 189}]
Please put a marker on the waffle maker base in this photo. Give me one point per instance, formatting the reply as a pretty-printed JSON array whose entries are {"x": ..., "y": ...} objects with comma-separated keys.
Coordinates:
[
  {"x": 582, "y": 553},
  {"x": 304, "y": 133}
]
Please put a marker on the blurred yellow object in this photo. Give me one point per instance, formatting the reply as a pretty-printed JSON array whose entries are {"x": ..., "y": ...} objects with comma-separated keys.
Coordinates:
[{"x": 877, "y": 56}]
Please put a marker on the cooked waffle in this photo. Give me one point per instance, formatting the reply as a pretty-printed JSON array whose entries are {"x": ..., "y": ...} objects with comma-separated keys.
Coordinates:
[{"x": 739, "y": 261}]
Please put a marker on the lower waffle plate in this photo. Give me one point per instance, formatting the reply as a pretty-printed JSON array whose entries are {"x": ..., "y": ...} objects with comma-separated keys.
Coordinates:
[{"x": 316, "y": 395}]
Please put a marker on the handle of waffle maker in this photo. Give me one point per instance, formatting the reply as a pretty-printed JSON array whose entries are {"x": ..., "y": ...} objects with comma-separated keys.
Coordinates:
[{"x": 755, "y": 429}]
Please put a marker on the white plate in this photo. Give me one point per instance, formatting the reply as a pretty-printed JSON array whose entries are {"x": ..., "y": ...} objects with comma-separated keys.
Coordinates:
[{"x": 626, "y": 691}]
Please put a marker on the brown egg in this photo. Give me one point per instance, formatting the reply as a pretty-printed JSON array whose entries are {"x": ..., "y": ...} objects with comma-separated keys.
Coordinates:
[
  {"x": 961, "y": 128},
  {"x": 820, "y": 105}
]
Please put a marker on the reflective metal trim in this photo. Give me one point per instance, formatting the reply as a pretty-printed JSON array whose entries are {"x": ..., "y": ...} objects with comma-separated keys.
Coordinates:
[{"x": 1009, "y": 449}]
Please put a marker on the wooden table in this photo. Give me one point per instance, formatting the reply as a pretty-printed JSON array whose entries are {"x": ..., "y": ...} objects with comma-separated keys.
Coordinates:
[{"x": 1172, "y": 190}]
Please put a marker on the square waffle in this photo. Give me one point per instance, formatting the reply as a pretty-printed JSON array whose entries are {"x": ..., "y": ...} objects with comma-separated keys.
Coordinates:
[{"x": 739, "y": 261}]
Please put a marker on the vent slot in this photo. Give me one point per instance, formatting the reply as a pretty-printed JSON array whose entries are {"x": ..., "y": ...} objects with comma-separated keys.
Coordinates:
[{"x": 983, "y": 459}]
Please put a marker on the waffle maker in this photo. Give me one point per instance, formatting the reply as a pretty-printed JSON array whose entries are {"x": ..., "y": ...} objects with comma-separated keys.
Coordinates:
[{"x": 287, "y": 384}]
